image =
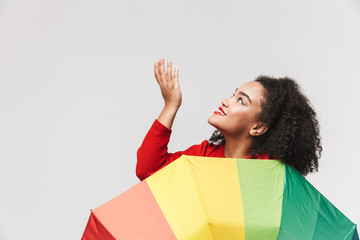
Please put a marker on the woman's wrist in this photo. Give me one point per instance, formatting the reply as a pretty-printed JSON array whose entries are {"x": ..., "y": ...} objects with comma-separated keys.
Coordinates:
[{"x": 172, "y": 108}]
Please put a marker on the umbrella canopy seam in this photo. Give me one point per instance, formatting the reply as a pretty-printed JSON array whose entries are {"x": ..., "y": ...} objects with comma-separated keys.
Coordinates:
[
  {"x": 351, "y": 231},
  {"x": 198, "y": 195}
]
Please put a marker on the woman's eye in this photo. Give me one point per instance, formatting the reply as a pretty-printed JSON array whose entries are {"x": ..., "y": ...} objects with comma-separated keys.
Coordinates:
[{"x": 241, "y": 101}]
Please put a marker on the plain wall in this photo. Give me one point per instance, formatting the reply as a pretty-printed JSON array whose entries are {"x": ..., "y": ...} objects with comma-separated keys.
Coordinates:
[{"x": 78, "y": 93}]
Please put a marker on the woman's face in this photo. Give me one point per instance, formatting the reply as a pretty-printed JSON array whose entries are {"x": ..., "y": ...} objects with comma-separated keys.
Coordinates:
[{"x": 238, "y": 114}]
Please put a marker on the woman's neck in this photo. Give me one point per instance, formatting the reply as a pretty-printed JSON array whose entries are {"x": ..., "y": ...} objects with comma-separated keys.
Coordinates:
[{"x": 237, "y": 148}]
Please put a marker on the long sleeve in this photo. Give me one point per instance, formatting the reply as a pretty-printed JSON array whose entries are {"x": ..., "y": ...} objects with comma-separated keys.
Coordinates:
[{"x": 153, "y": 152}]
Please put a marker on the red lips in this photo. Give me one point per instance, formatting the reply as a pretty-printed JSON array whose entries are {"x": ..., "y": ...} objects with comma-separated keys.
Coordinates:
[
  {"x": 221, "y": 113},
  {"x": 220, "y": 108}
]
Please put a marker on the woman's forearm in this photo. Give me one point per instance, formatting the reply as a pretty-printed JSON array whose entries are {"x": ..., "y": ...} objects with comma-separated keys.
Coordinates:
[{"x": 167, "y": 116}]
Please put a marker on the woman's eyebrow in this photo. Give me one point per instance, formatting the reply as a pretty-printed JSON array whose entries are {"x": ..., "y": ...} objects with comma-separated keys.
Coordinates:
[{"x": 244, "y": 94}]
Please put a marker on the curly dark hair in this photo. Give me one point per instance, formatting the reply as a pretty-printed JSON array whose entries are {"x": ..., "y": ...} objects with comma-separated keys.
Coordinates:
[{"x": 293, "y": 134}]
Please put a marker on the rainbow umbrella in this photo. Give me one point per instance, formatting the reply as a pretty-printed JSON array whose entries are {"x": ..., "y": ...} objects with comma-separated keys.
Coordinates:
[{"x": 220, "y": 198}]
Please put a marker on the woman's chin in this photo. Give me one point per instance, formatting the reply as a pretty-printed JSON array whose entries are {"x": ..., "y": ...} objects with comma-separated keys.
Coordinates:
[{"x": 212, "y": 121}]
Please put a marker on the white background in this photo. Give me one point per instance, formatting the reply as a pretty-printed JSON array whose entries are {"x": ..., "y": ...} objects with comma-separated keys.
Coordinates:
[{"x": 78, "y": 94}]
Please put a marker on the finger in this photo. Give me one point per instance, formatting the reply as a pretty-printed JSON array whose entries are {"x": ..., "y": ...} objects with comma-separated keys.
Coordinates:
[
  {"x": 162, "y": 67},
  {"x": 176, "y": 75},
  {"x": 156, "y": 70},
  {"x": 169, "y": 69}
]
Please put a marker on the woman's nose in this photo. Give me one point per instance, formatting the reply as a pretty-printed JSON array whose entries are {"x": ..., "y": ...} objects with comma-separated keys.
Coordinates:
[{"x": 225, "y": 102}]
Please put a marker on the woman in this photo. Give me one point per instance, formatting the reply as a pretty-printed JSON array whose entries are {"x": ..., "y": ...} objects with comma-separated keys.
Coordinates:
[{"x": 264, "y": 119}]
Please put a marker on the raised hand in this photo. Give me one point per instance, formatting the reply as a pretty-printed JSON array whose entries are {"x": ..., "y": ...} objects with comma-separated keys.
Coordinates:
[
  {"x": 169, "y": 83},
  {"x": 170, "y": 90}
]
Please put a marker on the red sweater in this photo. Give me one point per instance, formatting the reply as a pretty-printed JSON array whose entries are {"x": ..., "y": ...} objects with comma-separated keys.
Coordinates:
[{"x": 153, "y": 155}]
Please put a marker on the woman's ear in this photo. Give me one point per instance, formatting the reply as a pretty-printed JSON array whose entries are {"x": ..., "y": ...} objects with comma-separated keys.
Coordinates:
[{"x": 258, "y": 129}]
